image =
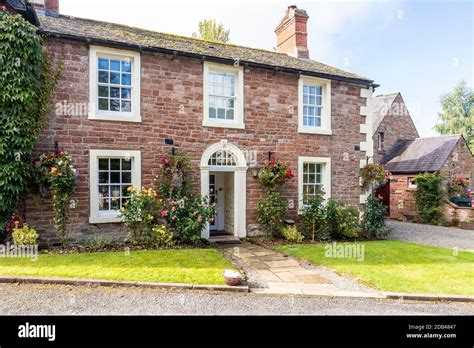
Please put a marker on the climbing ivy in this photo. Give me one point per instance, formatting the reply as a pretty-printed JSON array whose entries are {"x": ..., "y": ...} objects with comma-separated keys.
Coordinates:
[{"x": 27, "y": 82}]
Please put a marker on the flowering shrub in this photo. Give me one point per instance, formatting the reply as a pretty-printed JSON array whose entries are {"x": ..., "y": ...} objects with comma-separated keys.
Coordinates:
[
  {"x": 313, "y": 215},
  {"x": 173, "y": 178},
  {"x": 56, "y": 172},
  {"x": 16, "y": 220},
  {"x": 373, "y": 174},
  {"x": 161, "y": 236},
  {"x": 274, "y": 174},
  {"x": 429, "y": 196},
  {"x": 340, "y": 220},
  {"x": 458, "y": 186},
  {"x": 24, "y": 235},
  {"x": 188, "y": 216},
  {"x": 140, "y": 214},
  {"x": 292, "y": 234},
  {"x": 271, "y": 211}
]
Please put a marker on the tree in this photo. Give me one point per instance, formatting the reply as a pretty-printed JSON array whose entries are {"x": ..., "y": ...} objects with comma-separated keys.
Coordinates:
[
  {"x": 457, "y": 116},
  {"x": 211, "y": 31}
]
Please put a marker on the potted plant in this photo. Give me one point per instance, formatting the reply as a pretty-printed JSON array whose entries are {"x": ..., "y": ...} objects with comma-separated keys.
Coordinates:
[{"x": 459, "y": 192}]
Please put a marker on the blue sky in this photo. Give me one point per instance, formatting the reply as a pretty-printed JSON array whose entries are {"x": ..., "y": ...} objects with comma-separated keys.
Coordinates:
[{"x": 420, "y": 48}]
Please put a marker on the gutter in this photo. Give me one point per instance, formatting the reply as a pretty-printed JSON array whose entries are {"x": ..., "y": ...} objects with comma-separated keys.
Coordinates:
[{"x": 117, "y": 44}]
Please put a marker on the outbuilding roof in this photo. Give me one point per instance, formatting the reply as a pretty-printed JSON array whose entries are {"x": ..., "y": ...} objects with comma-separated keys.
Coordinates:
[{"x": 419, "y": 155}]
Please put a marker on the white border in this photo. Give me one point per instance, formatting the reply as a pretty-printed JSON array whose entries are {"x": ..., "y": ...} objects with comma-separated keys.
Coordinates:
[
  {"x": 327, "y": 172},
  {"x": 94, "y": 216},
  {"x": 238, "y": 121},
  {"x": 325, "y": 128},
  {"x": 94, "y": 113}
]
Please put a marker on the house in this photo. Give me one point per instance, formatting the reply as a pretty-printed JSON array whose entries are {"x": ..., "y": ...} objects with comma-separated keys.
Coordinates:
[
  {"x": 391, "y": 122},
  {"x": 448, "y": 155},
  {"x": 126, "y": 94}
]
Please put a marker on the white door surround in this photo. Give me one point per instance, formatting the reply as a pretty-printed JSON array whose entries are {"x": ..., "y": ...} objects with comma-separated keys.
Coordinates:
[{"x": 226, "y": 157}]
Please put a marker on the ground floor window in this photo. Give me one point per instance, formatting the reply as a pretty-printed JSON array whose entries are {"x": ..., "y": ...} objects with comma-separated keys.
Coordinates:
[
  {"x": 314, "y": 174},
  {"x": 112, "y": 174}
]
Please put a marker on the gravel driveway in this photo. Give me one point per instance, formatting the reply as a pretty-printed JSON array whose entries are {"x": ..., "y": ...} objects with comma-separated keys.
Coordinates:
[
  {"x": 27, "y": 299},
  {"x": 447, "y": 237}
]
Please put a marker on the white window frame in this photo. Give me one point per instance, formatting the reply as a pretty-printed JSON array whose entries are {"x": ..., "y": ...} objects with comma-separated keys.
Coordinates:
[
  {"x": 326, "y": 164},
  {"x": 238, "y": 121},
  {"x": 111, "y": 216},
  {"x": 380, "y": 141},
  {"x": 94, "y": 113},
  {"x": 325, "y": 128},
  {"x": 410, "y": 184}
]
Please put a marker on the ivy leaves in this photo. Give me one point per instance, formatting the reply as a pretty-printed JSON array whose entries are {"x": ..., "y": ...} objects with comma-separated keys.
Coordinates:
[{"x": 27, "y": 84}]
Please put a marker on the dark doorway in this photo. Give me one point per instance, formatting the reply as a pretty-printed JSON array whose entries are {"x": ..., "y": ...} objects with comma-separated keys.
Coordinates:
[{"x": 384, "y": 192}]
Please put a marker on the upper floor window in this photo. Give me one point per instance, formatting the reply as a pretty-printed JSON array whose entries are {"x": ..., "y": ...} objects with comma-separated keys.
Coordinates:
[
  {"x": 114, "y": 84},
  {"x": 223, "y": 96},
  {"x": 314, "y": 105},
  {"x": 380, "y": 140}
]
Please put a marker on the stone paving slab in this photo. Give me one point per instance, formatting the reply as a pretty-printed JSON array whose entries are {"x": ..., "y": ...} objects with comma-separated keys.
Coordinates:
[{"x": 276, "y": 273}]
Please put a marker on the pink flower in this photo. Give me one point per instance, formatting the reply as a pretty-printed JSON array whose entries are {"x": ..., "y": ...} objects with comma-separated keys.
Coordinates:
[
  {"x": 164, "y": 213},
  {"x": 211, "y": 220},
  {"x": 200, "y": 218},
  {"x": 173, "y": 209},
  {"x": 195, "y": 213},
  {"x": 172, "y": 203},
  {"x": 173, "y": 218}
]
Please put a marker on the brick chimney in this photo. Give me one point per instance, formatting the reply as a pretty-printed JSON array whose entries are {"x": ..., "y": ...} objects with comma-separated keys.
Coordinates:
[
  {"x": 292, "y": 34},
  {"x": 49, "y": 7}
]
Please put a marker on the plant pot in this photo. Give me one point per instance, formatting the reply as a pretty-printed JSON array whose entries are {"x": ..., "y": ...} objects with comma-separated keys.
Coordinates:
[
  {"x": 467, "y": 225},
  {"x": 462, "y": 202},
  {"x": 231, "y": 277}
]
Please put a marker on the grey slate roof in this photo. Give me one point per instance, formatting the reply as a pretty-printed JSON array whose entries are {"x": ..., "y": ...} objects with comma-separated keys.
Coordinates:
[
  {"x": 122, "y": 35},
  {"x": 380, "y": 106},
  {"x": 419, "y": 155}
]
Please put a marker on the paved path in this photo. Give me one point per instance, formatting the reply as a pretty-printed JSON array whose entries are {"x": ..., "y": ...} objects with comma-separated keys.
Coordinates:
[
  {"x": 272, "y": 272},
  {"x": 448, "y": 237},
  {"x": 78, "y": 300}
]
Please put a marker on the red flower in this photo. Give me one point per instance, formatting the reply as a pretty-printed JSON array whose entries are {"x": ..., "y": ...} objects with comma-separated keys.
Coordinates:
[
  {"x": 57, "y": 151},
  {"x": 288, "y": 174}
]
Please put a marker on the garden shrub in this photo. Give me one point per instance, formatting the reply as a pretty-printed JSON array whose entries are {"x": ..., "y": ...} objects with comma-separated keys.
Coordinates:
[
  {"x": 313, "y": 216},
  {"x": 292, "y": 234},
  {"x": 25, "y": 235},
  {"x": 340, "y": 220},
  {"x": 188, "y": 216},
  {"x": 161, "y": 236},
  {"x": 373, "y": 220},
  {"x": 271, "y": 211},
  {"x": 173, "y": 179},
  {"x": 98, "y": 241},
  {"x": 429, "y": 196},
  {"x": 141, "y": 213},
  {"x": 27, "y": 82}
]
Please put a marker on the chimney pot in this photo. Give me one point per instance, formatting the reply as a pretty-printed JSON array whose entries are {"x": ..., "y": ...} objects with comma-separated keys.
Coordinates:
[{"x": 292, "y": 33}]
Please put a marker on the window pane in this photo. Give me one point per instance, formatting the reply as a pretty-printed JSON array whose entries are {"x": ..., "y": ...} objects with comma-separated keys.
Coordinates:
[
  {"x": 318, "y": 90},
  {"x": 126, "y": 79},
  {"x": 212, "y": 113},
  {"x": 311, "y": 167},
  {"x": 126, "y": 165},
  {"x": 115, "y": 78},
  {"x": 126, "y": 106},
  {"x": 115, "y": 164},
  {"x": 103, "y": 191},
  {"x": 103, "y": 63},
  {"x": 230, "y": 114},
  {"x": 221, "y": 113},
  {"x": 114, "y": 92},
  {"x": 103, "y": 91},
  {"x": 114, "y": 104},
  {"x": 115, "y": 177},
  {"x": 103, "y": 163},
  {"x": 126, "y": 66},
  {"x": 104, "y": 204},
  {"x": 126, "y": 177},
  {"x": 115, "y": 191},
  {"x": 126, "y": 93},
  {"x": 103, "y": 177},
  {"x": 114, "y": 65},
  {"x": 317, "y": 122},
  {"x": 103, "y": 76},
  {"x": 103, "y": 104},
  {"x": 125, "y": 191},
  {"x": 115, "y": 203},
  {"x": 312, "y": 178}
]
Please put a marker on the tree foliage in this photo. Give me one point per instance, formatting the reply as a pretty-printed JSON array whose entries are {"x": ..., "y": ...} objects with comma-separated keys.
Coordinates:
[
  {"x": 457, "y": 116},
  {"x": 211, "y": 31},
  {"x": 429, "y": 196},
  {"x": 373, "y": 221},
  {"x": 26, "y": 83}
]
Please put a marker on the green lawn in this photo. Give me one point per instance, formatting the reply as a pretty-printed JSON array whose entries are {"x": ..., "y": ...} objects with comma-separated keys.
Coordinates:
[
  {"x": 197, "y": 266},
  {"x": 399, "y": 267}
]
